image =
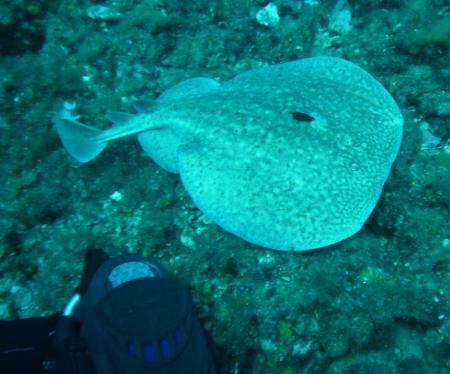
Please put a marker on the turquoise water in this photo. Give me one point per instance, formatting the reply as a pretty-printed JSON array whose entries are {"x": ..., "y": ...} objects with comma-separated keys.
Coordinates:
[{"x": 377, "y": 302}]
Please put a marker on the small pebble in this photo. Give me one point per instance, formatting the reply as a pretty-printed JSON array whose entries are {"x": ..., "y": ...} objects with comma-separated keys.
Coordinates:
[
  {"x": 102, "y": 12},
  {"x": 116, "y": 196},
  {"x": 268, "y": 16}
]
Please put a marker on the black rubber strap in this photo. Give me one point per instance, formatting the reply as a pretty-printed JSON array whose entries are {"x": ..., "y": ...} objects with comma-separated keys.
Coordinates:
[
  {"x": 93, "y": 259},
  {"x": 25, "y": 343}
]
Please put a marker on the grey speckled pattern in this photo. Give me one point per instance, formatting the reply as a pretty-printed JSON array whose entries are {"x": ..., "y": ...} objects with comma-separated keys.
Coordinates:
[{"x": 257, "y": 171}]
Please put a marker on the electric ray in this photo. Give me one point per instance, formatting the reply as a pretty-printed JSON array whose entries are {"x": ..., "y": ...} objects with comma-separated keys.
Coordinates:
[{"x": 290, "y": 157}]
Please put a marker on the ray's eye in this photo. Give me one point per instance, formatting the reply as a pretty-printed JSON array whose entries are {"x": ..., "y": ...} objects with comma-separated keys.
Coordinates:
[{"x": 302, "y": 117}]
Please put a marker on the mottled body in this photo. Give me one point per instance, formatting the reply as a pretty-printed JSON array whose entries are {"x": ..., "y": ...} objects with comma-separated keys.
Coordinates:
[{"x": 255, "y": 167}]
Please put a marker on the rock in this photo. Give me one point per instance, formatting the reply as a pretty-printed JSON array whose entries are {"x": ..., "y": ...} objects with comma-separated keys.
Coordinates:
[
  {"x": 103, "y": 13},
  {"x": 268, "y": 16}
]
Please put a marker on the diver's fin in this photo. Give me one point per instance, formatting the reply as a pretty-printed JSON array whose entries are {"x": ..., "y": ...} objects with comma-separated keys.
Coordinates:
[{"x": 78, "y": 139}]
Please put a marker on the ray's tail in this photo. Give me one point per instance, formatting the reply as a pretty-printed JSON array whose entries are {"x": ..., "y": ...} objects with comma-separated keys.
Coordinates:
[{"x": 80, "y": 141}]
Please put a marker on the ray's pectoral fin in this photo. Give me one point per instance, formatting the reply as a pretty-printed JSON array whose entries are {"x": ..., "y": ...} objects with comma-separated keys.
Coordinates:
[
  {"x": 225, "y": 189},
  {"x": 189, "y": 87},
  {"x": 161, "y": 145}
]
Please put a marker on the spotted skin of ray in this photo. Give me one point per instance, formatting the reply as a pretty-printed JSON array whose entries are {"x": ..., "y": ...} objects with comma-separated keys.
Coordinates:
[{"x": 288, "y": 157}]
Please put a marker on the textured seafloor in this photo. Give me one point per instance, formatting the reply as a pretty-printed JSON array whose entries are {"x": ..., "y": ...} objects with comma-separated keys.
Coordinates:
[{"x": 378, "y": 302}]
